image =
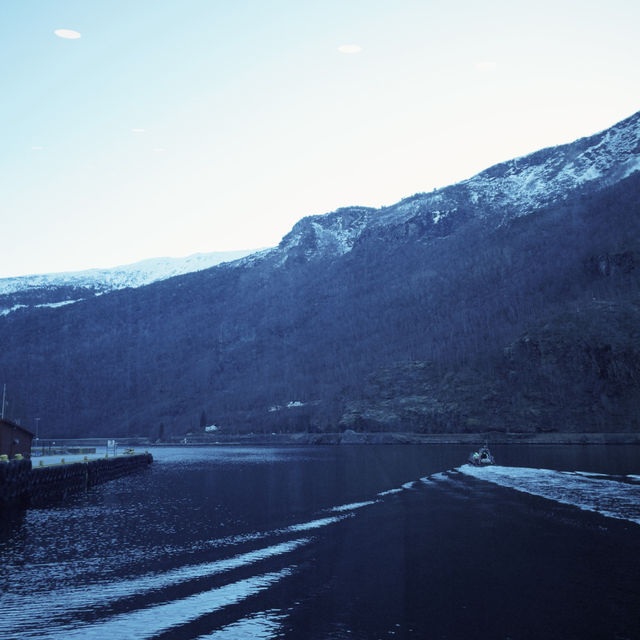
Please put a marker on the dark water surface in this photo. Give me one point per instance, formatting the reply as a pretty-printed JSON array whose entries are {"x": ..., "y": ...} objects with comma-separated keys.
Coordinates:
[{"x": 336, "y": 542}]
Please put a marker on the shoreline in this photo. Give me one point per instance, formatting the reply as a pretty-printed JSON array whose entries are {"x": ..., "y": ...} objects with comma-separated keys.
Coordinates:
[{"x": 393, "y": 438}]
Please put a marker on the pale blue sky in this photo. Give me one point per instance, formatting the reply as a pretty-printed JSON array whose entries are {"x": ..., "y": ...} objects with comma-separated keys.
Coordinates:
[{"x": 173, "y": 127}]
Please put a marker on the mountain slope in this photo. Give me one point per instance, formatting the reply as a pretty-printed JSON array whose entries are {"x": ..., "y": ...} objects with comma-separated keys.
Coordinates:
[
  {"x": 507, "y": 190},
  {"x": 58, "y": 289},
  {"x": 451, "y": 300}
]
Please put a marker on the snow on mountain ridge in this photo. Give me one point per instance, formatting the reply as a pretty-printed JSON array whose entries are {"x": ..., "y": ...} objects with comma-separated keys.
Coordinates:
[
  {"x": 520, "y": 185},
  {"x": 601, "y": 156},
  {"x": 512, "y": 188},
  {"x": 131, "y": 275},
  {"x": 331, "y": 234}
]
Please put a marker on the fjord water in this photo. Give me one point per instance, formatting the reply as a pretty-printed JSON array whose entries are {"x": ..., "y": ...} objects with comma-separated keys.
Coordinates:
[{"x": 335, "y": 542}]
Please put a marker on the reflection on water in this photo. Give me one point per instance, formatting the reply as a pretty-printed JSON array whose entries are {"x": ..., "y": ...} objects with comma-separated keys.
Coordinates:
[
  {"x": 330, "y": 542},
  {"x": 149, "y": 622},
  {"x": 259, "y": 626}
]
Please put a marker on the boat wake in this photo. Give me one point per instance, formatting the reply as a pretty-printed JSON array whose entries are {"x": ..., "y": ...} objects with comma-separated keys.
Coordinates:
[
  {"x": 138, "y": 607},
  {"x": 264, "y": 624},
  {"x": 247, "y": 567},
  {"x": 611, "y": 496}
]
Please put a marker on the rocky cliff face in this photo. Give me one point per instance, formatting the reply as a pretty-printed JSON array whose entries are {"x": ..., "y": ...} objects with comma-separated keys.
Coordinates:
[
  {"x": 576, "y": 372},
  {"x": 326, "y": 236}
]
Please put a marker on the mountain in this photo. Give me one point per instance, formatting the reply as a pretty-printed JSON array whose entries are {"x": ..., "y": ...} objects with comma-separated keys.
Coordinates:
[
  {"x": 508, "y": 301},
  {"x": 502, "y": 192},
  {"x": 59, "y": 289}
]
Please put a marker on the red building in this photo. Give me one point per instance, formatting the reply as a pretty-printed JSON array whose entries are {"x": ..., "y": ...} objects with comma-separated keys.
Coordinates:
[{"x": 14, "y": 439}]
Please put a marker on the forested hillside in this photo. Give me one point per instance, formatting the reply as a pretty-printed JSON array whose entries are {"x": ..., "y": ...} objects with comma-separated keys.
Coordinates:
[{"x": 475, "y": 315}]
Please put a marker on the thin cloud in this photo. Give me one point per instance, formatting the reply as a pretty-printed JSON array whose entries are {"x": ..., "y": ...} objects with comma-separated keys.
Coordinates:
[
  {"x": 486, "y": 65},
  {"x": 349, "y": 48},
  {"x": 138, "y": 130},
  {"x": 69, "y": 34}
]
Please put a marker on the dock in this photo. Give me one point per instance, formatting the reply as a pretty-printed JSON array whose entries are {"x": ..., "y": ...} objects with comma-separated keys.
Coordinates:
[{"x": 24, "y": 485}]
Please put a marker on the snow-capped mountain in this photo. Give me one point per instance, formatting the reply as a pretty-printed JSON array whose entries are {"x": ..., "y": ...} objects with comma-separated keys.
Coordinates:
[
  {"x": 510, "y": 189},
  {"x": 59, "y": 289}
]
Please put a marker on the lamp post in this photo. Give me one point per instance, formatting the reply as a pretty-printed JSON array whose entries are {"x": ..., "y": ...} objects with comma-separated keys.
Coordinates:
[{"x": 37, "y": 424}]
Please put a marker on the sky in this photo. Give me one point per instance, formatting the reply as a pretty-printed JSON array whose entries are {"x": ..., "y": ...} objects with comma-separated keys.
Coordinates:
[{"x": 146, "y": 128}]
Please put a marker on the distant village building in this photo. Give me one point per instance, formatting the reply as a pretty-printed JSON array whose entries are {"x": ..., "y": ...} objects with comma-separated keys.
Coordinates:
[{"x": 14, "y": 439}]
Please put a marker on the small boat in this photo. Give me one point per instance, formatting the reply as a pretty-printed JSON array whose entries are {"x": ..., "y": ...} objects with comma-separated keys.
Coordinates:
[{"x": 482, "y": 457}]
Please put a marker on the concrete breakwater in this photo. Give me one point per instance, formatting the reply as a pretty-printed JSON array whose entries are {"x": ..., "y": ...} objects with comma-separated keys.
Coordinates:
[{"x": 24, "y": 485}]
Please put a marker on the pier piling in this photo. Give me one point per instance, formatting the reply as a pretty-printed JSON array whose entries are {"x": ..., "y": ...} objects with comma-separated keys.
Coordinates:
[{"x": 23, "y": 485}]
